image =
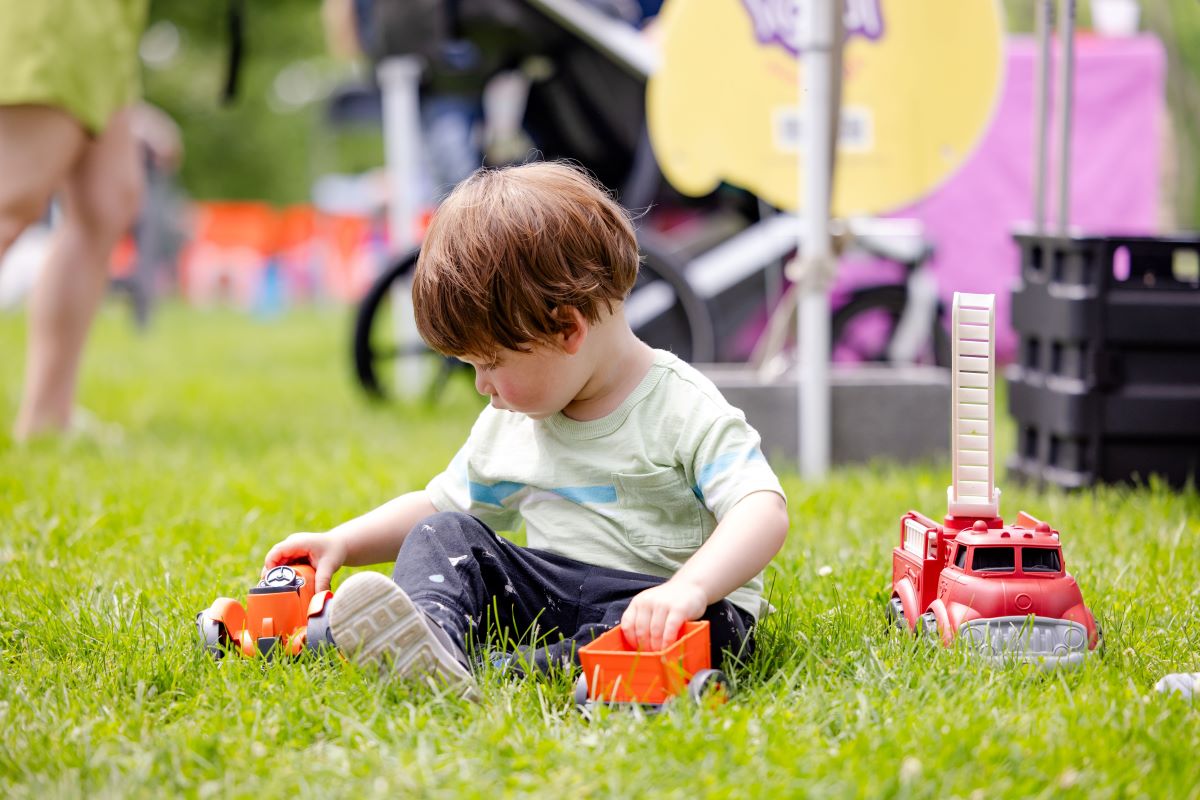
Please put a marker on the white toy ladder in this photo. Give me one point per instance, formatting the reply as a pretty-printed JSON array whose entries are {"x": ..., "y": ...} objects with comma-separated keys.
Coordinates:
[{"x": 973, "y": 492}]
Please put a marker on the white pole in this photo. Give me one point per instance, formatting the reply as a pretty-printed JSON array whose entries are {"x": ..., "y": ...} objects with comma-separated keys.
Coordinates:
[
  {"x": 1044, "y": 21},
  {"x": 815, "y": 30},
  {"x": 1066, "y": 91},
  {"x": 399, "y": 83}
]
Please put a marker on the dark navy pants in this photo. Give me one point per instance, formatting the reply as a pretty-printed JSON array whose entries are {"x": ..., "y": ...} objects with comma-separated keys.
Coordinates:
[{"x": 533, "y": 607}]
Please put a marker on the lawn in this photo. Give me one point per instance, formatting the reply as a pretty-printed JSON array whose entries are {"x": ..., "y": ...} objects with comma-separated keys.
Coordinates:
[{"x": 238, "y": 431}]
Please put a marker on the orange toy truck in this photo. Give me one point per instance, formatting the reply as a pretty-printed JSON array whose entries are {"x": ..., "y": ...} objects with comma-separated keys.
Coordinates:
[
  {"x": 616, "y": 674},
  {"x": 283, "y": 615}
]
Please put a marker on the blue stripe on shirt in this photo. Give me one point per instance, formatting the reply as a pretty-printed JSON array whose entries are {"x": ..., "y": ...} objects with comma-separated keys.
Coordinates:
[
  {"x": 494, "y": 493},
  {"x": 723, "y": 463},
  {"x": 588, "y": 494}
]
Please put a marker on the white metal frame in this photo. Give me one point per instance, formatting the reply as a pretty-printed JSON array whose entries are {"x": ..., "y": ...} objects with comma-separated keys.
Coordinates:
[
  {"x": 812, "y": 319},
  {"x": 399, "y": 85},
  {"x": 1064, "y": 98}
]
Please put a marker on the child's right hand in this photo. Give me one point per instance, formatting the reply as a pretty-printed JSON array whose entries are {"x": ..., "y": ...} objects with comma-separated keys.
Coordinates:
[{"x": 324, "y": 551}]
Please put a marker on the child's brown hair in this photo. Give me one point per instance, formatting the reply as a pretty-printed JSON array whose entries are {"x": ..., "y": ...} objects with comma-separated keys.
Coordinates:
[{"x": 510, "y": 249}]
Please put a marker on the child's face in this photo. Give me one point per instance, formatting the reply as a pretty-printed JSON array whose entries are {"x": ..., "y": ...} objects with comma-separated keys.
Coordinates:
[{"x": 537, "y": 384}]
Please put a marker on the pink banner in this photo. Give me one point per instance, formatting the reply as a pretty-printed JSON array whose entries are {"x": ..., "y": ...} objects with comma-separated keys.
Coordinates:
[{"x": 1116, "y": 139}]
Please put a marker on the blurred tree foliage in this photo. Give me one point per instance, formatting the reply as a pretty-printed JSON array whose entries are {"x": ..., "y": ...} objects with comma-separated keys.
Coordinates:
[
  {"x": 1177, "y": 23},
  {"x": 259, "y": 147}
]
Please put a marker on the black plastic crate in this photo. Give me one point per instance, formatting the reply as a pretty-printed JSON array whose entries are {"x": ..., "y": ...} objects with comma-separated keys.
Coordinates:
[{"x": 1106, "y": 385}]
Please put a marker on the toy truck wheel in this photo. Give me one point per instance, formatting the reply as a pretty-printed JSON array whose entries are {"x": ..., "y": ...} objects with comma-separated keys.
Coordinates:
[
  {"x": 319, "y": 638},
  {"x": 895, "y": 614},
  {"x": 213, "y": 635},
  {"x": 581, "y": 693},
  {"x": 708, "y": 684},
  {"x": 927, "y": 627}
]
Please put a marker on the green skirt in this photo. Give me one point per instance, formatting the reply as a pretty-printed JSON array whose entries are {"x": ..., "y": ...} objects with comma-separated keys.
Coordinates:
[{"x": 78, "y": 55}]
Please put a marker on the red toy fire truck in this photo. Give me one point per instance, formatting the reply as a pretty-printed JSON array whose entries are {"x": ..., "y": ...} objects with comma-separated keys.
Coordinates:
[{"x": 1003, "y": 590}]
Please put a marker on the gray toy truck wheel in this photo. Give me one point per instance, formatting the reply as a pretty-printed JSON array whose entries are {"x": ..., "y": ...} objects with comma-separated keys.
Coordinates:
[
  {"x": 319, "y": 637},
  {"x": 581, "y": 693},
  {"x": 927, "y": 627},
  {"x": 213, "y": 635},
  {"x": 895, "y": 614},
  {"x": 705, "y": 681}
]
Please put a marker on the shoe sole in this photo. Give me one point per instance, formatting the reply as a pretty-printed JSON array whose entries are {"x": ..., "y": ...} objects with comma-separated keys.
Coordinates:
[{"x": 375, "y": 623}]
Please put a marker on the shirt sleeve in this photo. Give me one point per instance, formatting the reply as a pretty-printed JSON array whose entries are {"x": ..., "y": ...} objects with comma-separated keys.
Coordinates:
[
  {"x": 454, "y": 490},
  {"x": 729, "y": 464}
]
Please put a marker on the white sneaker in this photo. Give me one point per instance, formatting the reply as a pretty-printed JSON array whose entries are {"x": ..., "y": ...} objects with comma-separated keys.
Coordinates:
[
  {"x": 1184, "y": 683},
  {"x": 374, "y": 622}
]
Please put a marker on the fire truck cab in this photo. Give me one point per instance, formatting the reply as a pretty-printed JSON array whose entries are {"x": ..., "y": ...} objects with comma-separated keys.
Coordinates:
[{"x": 1003, "y": 590}]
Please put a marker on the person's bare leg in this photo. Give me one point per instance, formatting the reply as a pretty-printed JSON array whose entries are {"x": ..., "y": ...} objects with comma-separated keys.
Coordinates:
[
  {"x": 38, "y": 147},
  {"x": 100, "y": 201}
]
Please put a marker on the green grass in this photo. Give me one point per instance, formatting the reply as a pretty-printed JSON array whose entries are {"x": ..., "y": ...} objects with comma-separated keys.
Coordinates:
[{"x": 238, "y": 432}]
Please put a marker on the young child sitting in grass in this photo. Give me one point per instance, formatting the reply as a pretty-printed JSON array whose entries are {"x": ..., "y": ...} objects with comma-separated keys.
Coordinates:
[{"x": 645, "y": 495}]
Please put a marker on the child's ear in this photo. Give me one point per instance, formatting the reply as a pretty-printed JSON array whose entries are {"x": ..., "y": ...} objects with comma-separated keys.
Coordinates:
[{"x": 575, "y": 328}]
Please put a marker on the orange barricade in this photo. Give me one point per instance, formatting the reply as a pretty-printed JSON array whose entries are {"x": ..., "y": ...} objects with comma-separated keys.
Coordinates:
[
  {"x": 301, "y": 254},
  {"x": 237, "y": 244},
  {"x": 227, "y": 259},
  {"x": 350, "y": 265}
]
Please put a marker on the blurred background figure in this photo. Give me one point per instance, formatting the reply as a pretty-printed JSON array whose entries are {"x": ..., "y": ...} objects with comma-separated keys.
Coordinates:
[
  {"x": 68, "y": 89},
  {"x": 458, "y": 68},
  {"x": 476, "y": 55}
]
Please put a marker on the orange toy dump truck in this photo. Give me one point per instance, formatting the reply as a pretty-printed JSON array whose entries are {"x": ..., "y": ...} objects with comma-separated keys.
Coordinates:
[{"x": 615, "y": 673}]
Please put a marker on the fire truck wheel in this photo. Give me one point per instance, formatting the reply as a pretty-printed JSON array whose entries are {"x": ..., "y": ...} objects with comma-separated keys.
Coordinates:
[
  {"x": 927, "y": 627},
  {"x": 895, "y": 614}
]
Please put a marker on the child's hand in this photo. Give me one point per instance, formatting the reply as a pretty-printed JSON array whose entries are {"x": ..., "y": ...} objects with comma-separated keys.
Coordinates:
[
  {"x": 324, "y": 551},
  {"x": 654, "y": 617}
]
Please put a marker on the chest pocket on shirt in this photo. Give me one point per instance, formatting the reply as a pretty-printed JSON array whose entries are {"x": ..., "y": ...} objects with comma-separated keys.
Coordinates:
[{"x": 658, "y": 509}]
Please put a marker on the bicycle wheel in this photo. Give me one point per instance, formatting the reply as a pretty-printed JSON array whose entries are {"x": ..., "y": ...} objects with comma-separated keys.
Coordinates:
[
  {"x": 375, "y": 345},
  {"x": 664, "y": 310},
  {"x": 863, "y": 328}
]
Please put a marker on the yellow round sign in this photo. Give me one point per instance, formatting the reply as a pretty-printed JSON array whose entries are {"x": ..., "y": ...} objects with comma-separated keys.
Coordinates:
[{"x": 920, "y": 81}]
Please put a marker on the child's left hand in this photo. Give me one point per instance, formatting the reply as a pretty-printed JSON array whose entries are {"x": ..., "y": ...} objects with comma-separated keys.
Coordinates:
[{"x": 654, "y": 617}]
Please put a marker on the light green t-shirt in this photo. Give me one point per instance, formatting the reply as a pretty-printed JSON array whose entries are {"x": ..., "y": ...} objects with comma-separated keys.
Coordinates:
[{"x": 640, "y": 489}]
